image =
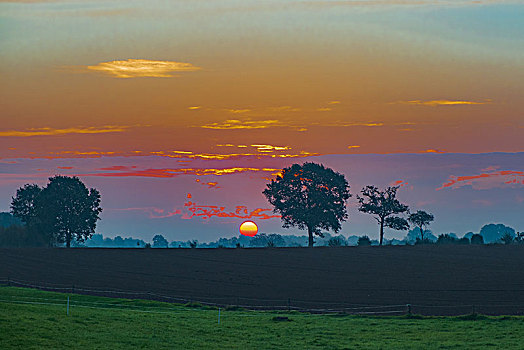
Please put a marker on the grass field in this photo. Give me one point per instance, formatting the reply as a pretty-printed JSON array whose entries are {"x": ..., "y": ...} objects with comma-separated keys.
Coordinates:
[{"x": 31, "y": 319}]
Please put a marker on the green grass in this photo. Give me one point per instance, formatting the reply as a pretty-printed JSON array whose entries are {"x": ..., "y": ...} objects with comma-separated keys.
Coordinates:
[{"x": 107, "y": 323}]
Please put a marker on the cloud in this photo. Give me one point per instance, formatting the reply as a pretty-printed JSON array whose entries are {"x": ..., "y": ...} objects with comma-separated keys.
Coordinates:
[
  {"x": 284, "y": 109},
  {"x": 193, "y": 108},
  {"x": 381, "y": 3},
  {"x": 353, "y": 146},
  {"x": 324, "y": 109},
  {"x": 232, "y": 124},
  {"x": 241, "y": 212},
  {"x": 52, "y": 131},
  {"x": 270, "y": 148},
  {"x": 485, "y": 180},
  {"x": 436, "y": 103},
  {"x": 123, "y": 171},
  {"x": 136, "y": 68},
  {"x": 238, "y": 111},
  {"x": 433, "y": 150}
]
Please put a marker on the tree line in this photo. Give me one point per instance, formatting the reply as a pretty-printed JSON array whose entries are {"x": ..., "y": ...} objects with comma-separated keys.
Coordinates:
[
  {"x": 309, "y": 196},
  {"x": 313, "y": 197}
]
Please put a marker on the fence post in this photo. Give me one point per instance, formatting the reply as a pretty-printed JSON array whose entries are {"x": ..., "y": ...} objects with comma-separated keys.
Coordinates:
[
  {"x": 409, "y": 309},
  {"x": 288, "y": 304},
  {"x": 218, "y": 315},
  {"x": 68, "y": 305}
]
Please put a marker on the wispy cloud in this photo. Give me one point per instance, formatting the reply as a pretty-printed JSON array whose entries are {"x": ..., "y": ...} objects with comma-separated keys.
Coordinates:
[
  {"x": 53, "y": 131},
  {"x": 485, "y": 180},
  {"x": 231, "y": 124},
  {"x": 433, "y": 150},
  {"x": 238, "y": 111},
  {"x": 122, "y": 171},
  {"x": 136, "y": 68},
  {"x": 436, "y": 103}
]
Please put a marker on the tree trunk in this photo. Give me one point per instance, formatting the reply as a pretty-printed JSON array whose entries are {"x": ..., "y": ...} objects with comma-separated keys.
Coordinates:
[
  {"x": 68, "y": 239},
  {"x": 381, "y": 230},
  {"x": 310, "y": 233},
  {"x": 421, "y": 233}
]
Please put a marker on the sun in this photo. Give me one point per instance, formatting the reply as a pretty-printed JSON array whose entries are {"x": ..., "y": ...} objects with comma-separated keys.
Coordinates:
[{"x": 248, "y": 228}]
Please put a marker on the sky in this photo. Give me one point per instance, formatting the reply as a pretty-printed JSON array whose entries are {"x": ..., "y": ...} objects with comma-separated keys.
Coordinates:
[{"x": 180, "y": 112}]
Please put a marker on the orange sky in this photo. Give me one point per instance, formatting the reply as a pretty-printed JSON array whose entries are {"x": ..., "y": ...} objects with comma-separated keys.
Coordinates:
[{"x": 256, "y": 84}]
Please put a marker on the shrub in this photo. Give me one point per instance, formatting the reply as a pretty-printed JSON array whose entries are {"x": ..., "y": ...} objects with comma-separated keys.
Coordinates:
[
  {"x": 364, "y": 241},
  {"x": 338, "y": 241},
  {"x": 507, "y": 238},
  {"x": 447, "y": 239},
  {"x": 477, "y": 239}
]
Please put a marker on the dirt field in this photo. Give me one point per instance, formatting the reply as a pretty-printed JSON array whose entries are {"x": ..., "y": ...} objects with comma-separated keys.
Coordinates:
[{"x": 434, "y": 279}]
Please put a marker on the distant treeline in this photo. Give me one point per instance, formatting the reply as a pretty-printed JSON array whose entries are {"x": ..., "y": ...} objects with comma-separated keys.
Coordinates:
[{"x": 14, "y": 234}]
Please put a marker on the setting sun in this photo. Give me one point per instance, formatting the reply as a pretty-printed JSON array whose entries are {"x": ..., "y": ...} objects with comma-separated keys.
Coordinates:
[{"x": 248, "y": 228}]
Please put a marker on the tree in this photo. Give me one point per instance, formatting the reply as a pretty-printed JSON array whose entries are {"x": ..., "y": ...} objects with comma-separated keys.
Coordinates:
[
  {"x": 364, "y": 241},
  {"x": 421, "y": 219},
  {"x": 337, "y": 241},
  {"x": 383, "y": 204},
  {"x": 309, "y": 196},
  {"x": 477, "y": 239},
  {"x": 160, "y": 242},
  {"x": 447, "y": 239},
  {"x": 493, "y": 233},
  {"x": 23, "y": 204},
  {"x": 507, "y": 238},
  {"x": 63, "y": 211}
]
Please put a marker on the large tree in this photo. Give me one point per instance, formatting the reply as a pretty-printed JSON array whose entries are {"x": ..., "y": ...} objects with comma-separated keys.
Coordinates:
[
  {"x": 64, "y": 210},
  {"x": 421, "y": 219},
  {"x": 309, "y": 196},
  {"x": 23, "y": 204},
  {"x": 383, "y": 205}
]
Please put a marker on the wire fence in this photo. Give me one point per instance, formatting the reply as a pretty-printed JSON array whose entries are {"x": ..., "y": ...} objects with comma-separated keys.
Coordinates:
[{"x": 250, "y": 304}]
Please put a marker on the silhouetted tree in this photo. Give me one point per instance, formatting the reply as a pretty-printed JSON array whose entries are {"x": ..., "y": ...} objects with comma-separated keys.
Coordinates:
[
  {"x": 421, "y": 219},
  {"x": 493, "y": 233},
  {"x": 23, "y": 204},
  {"x": 364, "y": 241},
  {"x": 337, "y": 241},
  {"x": 160, "y": 242},
  {"x": 193, "y": 243},
  {"x": 383, "y": 204},
  {"x": 446, "y": 239},
  {"x": 477, "y": 239},
  {"x": 64, "y": 210},
  {"x": 7, "y": 219},
  {"x": 309, "y": 196},
  {"x": 507, "y": 238}
]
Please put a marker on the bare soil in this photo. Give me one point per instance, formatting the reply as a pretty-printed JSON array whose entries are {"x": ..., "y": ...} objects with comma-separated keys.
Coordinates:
[{"x": 435, "y": 280}]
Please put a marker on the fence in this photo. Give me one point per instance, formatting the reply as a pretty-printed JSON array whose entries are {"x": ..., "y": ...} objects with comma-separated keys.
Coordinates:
[{"x": 251, "y": 304}]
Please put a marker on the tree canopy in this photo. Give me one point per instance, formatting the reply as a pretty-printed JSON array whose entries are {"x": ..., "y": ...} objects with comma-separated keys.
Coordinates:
[
  {"x": 63, "y": 211},
  {"x": 383, "y": 205},
  {"x": 309, "y": 196},
  {"x": 421, "y": 219}
]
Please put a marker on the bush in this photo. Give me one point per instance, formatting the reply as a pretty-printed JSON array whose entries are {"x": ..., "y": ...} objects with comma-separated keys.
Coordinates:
[
  {"x": 447, "y": 239},
  {"x": 21, "y": 236},
  {"x": 423, "y": 241},
  {"x": 338, "y": 241},
  {"x": 364, "y": 241},
  {"x": 507, "y": 238},
  {"x": 477, "y": 239}
]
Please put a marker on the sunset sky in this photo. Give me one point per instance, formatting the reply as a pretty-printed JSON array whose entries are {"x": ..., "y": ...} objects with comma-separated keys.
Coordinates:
[{"x": 180, "y": 111}]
